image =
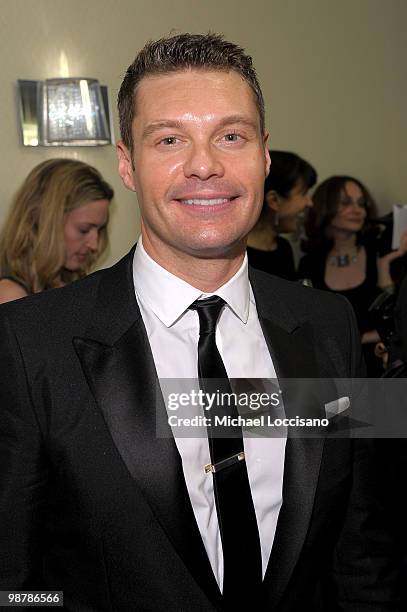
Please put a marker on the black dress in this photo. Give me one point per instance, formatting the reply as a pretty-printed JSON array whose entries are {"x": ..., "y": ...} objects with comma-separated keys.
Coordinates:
[
  {"x": 312, "y": 267},
  {"x": 279, "y": 262}
]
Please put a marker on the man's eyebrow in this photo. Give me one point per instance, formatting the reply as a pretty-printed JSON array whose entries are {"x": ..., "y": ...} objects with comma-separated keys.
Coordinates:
[
  {"x": 159, "y": 125},
  {"x": 240, "y": 119},
  {"x": 155, "y": 126}
]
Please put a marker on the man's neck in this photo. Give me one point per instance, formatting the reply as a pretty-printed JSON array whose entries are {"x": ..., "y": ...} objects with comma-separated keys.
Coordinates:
[{"x": 205, "y": 273}]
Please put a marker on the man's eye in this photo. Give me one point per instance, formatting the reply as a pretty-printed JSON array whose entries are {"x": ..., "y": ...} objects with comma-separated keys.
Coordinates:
[
  {"x": 232, "y": 137},
  {"x": 169, "y": 140}
]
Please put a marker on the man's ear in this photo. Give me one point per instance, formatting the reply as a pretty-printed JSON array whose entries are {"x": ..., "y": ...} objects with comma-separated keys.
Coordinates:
[
  {"x": 273, "y": 200},
  {"x": 266, "y": 153},
  {"x": 125, "y": 165}
]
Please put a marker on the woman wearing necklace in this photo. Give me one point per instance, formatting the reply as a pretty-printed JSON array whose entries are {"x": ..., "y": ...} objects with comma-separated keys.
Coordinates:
[{"x": 341, "y": 252}]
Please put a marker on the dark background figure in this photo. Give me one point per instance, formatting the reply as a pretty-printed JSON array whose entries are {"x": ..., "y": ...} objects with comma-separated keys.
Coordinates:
[
  {"x": 397, "y": 448},
  {"x": 383, "y": 308},
  {"x": 398, "y": 266},
  {"x": 286, "y": 196},
  {"x": 398, "y": 343},
  {"x": 342, "y": 252}
]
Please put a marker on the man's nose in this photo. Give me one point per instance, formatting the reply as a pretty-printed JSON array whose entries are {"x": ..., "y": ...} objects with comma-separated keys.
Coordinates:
[{"x": 203, "y": 162}]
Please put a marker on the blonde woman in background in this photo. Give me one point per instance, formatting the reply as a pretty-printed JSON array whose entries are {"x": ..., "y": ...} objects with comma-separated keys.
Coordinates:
[{"x": 56, "y": 228}]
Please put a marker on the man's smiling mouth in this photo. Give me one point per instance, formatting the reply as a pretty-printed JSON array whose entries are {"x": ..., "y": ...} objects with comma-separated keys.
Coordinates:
[{"x": 205, "y": 201}]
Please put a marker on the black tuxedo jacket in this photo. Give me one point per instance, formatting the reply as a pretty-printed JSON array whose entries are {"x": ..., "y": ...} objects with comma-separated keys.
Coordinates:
[{"x": 94, "y": 504}]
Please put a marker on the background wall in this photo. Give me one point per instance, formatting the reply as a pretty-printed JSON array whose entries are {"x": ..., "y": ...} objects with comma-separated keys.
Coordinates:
[{"x": 333, "y": 74}]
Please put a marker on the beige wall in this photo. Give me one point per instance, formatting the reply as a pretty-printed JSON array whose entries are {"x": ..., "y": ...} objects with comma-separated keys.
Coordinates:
[{"x": 333, "y": 74}]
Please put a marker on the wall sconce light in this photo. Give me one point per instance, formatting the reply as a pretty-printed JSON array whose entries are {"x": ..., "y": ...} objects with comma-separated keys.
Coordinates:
[{"x": 64, "y": 112}]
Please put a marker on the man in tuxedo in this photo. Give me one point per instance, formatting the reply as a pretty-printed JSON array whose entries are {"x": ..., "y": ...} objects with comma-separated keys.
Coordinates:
[{"x": 93, "y": 501}]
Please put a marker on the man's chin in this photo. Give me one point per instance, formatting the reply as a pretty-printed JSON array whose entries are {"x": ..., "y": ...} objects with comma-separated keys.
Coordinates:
[
  {"x": 215, "y": 249},
  {"x": 193, "y": 246}
]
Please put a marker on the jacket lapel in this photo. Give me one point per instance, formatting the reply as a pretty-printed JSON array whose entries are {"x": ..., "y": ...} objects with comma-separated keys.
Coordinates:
[
  {"x": 117, "y": 362},
  {"x": 291, "y": 346}
]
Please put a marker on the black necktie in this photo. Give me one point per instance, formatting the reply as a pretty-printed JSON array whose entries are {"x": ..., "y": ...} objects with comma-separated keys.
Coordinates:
[{"x": 234, "y": 503}]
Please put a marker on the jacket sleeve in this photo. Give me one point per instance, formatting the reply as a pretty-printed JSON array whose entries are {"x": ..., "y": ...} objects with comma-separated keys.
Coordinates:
[{"x": 23, "y": 471}]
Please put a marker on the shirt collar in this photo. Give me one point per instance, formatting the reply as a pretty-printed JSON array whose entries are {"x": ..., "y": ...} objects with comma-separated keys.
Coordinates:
[{"x": 169, "y": 296}]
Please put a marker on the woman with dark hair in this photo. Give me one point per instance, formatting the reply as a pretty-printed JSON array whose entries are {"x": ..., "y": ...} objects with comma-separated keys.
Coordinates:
[
  {"x": 341, "y": 249},
  {"x": 286, "y": 195}
]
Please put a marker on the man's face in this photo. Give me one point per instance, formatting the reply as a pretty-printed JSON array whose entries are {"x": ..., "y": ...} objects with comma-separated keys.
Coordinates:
[{"x": 200, "y": 162}]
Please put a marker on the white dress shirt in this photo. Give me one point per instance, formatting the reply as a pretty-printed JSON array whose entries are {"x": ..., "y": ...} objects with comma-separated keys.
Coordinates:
[{"x": 173, "y": 332}]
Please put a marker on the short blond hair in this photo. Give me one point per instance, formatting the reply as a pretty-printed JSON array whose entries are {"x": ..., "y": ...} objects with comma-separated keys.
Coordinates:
[
  {"x": 32, "y": 240},
  {"x": 182, "y": 52}
]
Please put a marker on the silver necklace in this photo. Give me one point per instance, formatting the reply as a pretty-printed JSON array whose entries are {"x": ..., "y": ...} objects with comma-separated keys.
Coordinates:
[{"x": 342, "y": 261}]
